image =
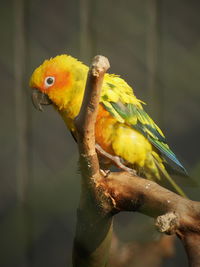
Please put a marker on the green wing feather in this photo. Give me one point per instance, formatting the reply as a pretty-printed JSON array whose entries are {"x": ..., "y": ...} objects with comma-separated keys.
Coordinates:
[
  {"x": 128, "y": 109},
  {"x": 148, "y": 128}
]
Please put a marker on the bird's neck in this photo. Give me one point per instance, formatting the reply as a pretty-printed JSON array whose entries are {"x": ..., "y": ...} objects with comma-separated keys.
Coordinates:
[{"x": 68, "y": 101}]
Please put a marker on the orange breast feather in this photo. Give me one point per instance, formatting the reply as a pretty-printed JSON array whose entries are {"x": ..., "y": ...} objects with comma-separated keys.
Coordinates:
[{"x": 105, "y": 129}]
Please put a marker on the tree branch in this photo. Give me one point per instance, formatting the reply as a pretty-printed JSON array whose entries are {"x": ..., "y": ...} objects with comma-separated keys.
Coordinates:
[
  {"x": 86, "y": 119},
  {"x": 94, "y": 220},
  {"x": 102, "y": 197}
]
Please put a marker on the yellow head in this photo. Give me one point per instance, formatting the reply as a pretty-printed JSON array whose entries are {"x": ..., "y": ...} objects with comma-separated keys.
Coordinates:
[{"x": 62, "y": 79}]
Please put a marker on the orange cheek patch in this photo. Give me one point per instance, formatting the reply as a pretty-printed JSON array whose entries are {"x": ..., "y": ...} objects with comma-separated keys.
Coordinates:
[{"x": 63, "y": 79}]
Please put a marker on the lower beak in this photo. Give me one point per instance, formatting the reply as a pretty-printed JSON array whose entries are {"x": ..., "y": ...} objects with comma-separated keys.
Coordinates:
[{"x": 39, "y": 99}]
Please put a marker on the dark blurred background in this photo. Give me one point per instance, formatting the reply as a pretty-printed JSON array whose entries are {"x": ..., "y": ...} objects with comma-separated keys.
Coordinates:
[{"x": 154, "y": 45}]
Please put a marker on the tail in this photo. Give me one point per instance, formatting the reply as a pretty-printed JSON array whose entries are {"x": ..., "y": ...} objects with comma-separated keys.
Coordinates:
[{"x": 163, "y": 171}]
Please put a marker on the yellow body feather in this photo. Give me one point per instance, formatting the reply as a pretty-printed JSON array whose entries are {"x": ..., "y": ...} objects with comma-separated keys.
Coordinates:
[{"x": 122, "y": 128}]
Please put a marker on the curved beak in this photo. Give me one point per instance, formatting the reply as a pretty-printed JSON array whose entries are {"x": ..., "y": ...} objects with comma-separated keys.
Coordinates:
[{"x": 39, "y": 99}]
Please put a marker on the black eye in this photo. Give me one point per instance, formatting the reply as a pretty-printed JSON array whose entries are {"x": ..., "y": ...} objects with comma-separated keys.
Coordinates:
[{"x": 49, "y": 81}]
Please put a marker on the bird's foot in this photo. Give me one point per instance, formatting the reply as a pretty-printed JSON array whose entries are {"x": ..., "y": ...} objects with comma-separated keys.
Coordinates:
[
  {"x": 105, "y": 173},
  {"x": 117, "y": 161}
]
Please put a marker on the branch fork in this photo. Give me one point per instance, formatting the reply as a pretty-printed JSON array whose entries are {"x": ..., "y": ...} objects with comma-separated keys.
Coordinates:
[{"x": 104, "y": 196}]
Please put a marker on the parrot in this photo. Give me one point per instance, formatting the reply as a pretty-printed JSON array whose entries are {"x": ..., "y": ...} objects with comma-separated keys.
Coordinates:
[{"x": 125, "y": 134}]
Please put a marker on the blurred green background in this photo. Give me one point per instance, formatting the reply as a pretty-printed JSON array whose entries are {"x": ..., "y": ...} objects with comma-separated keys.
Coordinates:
[{"x": 154, "y": 45}]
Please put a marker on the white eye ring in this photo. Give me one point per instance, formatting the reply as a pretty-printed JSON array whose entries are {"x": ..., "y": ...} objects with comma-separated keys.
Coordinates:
[{"x": 49, "y": 81}]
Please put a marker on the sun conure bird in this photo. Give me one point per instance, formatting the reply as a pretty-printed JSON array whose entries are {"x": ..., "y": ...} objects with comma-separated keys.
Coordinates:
[{"x": 124, "y": 132}]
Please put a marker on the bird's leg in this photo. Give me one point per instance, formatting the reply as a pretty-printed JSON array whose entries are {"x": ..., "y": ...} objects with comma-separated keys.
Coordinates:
[{"x": 114, "y": 159}]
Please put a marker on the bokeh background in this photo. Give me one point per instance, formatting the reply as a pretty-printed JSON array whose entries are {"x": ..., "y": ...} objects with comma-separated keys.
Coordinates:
[{"x": 154, "y": 45}]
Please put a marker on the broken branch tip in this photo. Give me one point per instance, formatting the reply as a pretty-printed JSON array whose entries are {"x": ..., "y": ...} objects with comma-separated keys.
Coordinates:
[
  {"x": 167, "y": 223},
  {"x": 100, "y": 64}
]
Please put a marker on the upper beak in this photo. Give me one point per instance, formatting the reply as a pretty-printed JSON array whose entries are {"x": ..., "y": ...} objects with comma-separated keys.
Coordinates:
[{"x": 39, "y": 99}]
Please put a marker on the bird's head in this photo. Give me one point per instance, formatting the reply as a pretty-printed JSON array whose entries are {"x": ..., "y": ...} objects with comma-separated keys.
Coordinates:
[{"x": 54, "y": 81}]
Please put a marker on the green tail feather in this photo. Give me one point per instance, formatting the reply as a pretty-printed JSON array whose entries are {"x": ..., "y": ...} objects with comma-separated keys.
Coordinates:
[{"x": 169, "y": 179}]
